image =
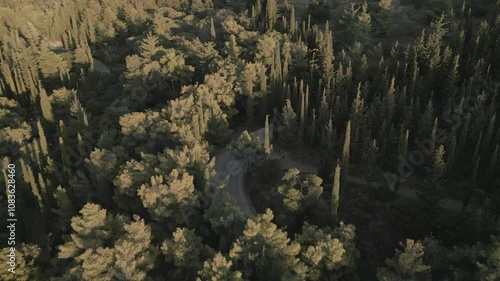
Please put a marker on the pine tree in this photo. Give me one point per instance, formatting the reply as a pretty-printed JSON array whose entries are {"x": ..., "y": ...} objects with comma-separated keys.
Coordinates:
[
  {"x": 406, "y": 265},
  {"x": 426, "y": 121},
  {"x": 168, "y": 197},
  {"x": 345, "y": 155},
  {"x": 185, "y": 249},
  {"x": 218, "y": 268},
  {"x": 265, "y": 244},
  {"x": 370, "y": 159},
  {"x": 28, "y": 263},
  {"x": 134, "y": 253},
  {"x": 438, "y": 168},
  {"x": 45, "y": 105},
  {"x": 248, "y": 78},
  {"x": 326, "y": 55},
  {"x": 289, "y": 125},
  {"x": 271, "y": 13},
  {"x": 213, "y": 34},
  {"x": 299, "y": 191},
  {"x": 42, "y": 139},
  {"x": 321, "y": 251},
  {"x": 268, "y": 148},
  {"x": 293, "y": 22},
  {"x": 34, "y": 189},
  {"x": 231, "y": 48},
  {"x": 336, "y": 193},
  {"x": 403, "y": 144},
  {"x": 65, "y": 209},
  {"x": 386, "y": 7},
  {"x": 302, "y": 123}
]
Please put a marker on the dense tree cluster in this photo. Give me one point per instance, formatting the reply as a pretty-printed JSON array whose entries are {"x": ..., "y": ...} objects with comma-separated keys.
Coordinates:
[{"x": 114, "y": 113}]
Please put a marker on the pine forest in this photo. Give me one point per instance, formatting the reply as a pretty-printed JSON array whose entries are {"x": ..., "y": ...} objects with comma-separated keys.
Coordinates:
[{"x": 250, "y": 140}]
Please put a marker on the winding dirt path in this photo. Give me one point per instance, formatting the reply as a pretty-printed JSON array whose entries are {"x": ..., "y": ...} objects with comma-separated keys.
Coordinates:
[{"x": 232, "y": 170}]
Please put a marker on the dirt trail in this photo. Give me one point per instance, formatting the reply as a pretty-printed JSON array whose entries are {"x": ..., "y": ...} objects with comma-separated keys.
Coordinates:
[{"x": 228, "y": 167}]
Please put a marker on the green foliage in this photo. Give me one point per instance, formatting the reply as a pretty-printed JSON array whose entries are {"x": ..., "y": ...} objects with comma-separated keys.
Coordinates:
[
  {"x": 14, "y": 130},
  {"x": 218, "y": 268},
  {"x": 134, "y": 253},
  {"x": 46, "y": 106},
  {"x": 27, "y": 263},
  {"x": 248, "y": 148},
  {"x": 268, "y": 148},
  {"x": 91, "y": 230},
  {"x": 168, "y": 198},
  {"x": 336, "y": 193},
  {"x": 263, "y": 241},
  {"x": 299, "y": 190},
  {"x": 185, "y": 249},
  {"x": 357, "y": 21},
  {"x": 320, "y": 251},
  {"x": 406, "y": 265},
  {"x": 289, "y": 124},
  {"x": 225, "y": 216},
  {"x": 370, "y": 159}
]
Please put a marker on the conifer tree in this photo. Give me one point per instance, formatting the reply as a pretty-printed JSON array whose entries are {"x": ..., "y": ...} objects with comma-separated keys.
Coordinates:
[
  {"x": 326, "y": 54},
  {"x": 225, "y": 216},
  {"x": 289, "y": 125},
  {"x": 370, "y": 159},
  {"x": 42, "y": 139},
  {"x": 321, "y": 251},
  {"x": 265, "y": 244},
  {"x": 403, "y": 144},
  {"x": 213, "y": 34},
  {"x": 45, "y": 105},
  {"x": 231, "y": 48},
  {"x": 271, "y": 13},
  {"x": 336, "y": 193},
  {"x": 169, "y": 197},
  {"x": 386, "y": 7},
  {"x": 299, "y": 191},
  {"x": 134, "y": 253},
  {"x": 268, "y": 148},
  {"x": 406, "y": 265},
  {"x": 302, "y": 123},
  {"x": 426, "y": 121},
  {"x": 65, "y": 209},
  {"x": 438, "y": 168},
  {"x": 28, "y": 263},
  {"x": 248, "y": 78},
  {"x": 185, "y": 249},
  {"x": 345, "y": 154},
  {"x": 218, "y": 268}
]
